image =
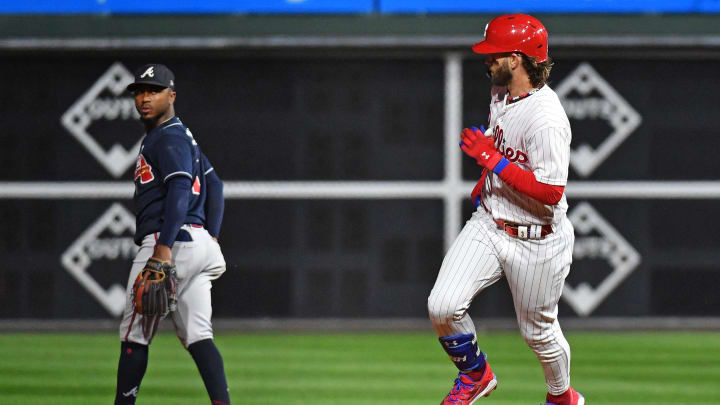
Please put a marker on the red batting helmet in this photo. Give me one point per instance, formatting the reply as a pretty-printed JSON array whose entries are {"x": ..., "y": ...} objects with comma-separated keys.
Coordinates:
[{"x": 515, "y": 33}]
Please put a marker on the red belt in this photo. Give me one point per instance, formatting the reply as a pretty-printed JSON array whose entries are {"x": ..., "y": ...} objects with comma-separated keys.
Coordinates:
[{"x": 524, "y": 231}]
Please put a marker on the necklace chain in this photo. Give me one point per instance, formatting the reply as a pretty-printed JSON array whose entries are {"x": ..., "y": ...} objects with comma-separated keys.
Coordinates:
[{"x": 522, "y": 96}]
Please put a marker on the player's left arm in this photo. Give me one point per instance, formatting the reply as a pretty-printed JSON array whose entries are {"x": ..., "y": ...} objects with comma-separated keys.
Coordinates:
[
  {"x": 175, "y": 161},
  {"x": 215, "y": 202},
  {"x": 175, "y": 211},
  {"x": 525, "y": 182},
  {"x": 549, "y": 155}
]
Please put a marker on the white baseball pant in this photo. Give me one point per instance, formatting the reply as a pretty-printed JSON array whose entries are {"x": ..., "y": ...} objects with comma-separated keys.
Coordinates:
[
  {"x": 198, "y": 263},
  {"x": 535, "y": 270}
]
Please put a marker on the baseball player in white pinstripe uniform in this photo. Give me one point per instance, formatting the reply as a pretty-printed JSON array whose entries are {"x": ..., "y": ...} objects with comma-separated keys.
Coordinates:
[{"x": 519, "y": 230}]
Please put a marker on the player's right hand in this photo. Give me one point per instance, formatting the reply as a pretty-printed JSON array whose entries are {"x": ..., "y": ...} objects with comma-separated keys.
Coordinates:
[
  {"x": 482, "y": 131},
  {"x": 480, "y": 147},
  {"x": 162, "y": 253}
]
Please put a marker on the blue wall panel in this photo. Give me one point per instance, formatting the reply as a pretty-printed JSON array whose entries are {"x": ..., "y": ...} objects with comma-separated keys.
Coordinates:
[
  {"x": 552, "y": 6},
  {"x": 355, "y": 6},
  {"x": 185, "y": 6}
]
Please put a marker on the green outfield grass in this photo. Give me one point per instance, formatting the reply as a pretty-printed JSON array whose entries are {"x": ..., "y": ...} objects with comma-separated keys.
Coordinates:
[{"x": 392, "y": 368}]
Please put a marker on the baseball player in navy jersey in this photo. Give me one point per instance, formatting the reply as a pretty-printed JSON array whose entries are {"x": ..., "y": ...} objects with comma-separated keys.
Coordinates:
[
  {"x": 179, "y": 207},
  {"x": 519, "y": 230}
]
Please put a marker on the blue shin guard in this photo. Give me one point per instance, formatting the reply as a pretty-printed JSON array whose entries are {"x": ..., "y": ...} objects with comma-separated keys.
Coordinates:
[{"x": 464, "y": 352}]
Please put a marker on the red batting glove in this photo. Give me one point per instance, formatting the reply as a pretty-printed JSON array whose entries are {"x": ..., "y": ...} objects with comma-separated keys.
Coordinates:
[{"x": 480, "y": 147}]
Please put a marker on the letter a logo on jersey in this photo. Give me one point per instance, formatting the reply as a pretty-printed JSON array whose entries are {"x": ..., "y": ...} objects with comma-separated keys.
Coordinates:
[
  {"x": 143, "y": 171},
  {"x": 196, "y": 186}
]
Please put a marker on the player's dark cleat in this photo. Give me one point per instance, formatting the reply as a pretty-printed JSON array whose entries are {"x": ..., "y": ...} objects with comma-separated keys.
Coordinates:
[
  {"x": 471, "y": 386},
  {"x": 570, "y": 397}
]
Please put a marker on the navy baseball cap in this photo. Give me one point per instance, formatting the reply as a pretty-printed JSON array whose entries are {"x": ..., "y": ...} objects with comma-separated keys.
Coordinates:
[{"x": 154, "y": 74}]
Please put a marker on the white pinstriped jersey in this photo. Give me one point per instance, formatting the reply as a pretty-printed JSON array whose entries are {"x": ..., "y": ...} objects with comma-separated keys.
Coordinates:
[{"x": 533, "y": 133}]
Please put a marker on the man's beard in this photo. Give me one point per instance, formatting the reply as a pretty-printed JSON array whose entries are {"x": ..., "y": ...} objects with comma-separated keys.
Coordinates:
[{"x": 502, "y": 75}]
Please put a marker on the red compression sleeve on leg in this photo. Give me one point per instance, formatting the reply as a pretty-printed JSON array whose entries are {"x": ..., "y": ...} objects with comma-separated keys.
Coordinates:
[{"x": 524, "y": 181}]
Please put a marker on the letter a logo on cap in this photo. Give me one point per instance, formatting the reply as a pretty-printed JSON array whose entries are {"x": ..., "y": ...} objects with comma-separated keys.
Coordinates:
[{"x": 148, "y": 72}]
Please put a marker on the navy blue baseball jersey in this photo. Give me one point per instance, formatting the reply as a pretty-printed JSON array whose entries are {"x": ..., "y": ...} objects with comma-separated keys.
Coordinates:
[{"x": 168, "y": 151}]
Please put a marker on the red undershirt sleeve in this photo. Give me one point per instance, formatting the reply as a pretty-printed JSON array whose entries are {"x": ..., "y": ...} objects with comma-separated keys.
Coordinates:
[{"x": 524, "y": 181}]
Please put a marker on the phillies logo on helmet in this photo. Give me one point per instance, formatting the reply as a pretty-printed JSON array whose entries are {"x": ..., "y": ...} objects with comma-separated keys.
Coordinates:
[{"x": 143, "y": 170}]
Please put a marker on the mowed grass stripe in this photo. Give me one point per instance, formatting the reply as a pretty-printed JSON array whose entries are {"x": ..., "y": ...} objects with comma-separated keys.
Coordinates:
[{"x": 403, "y": 368}]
